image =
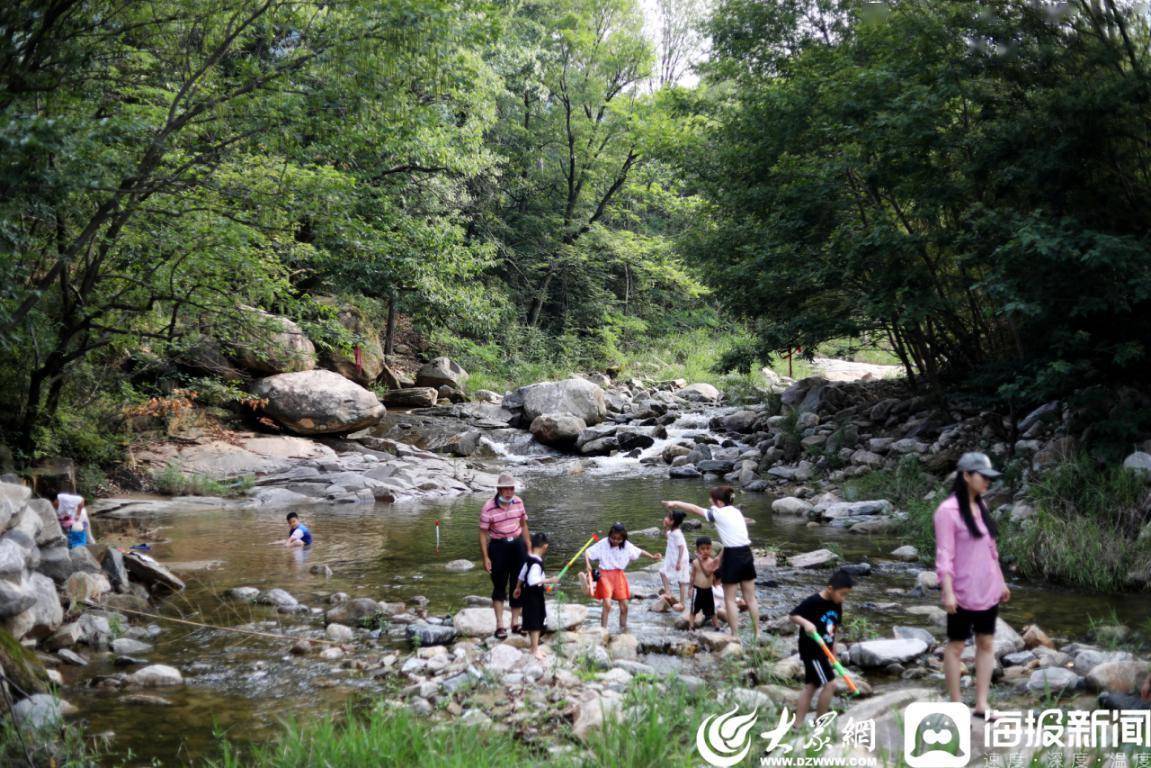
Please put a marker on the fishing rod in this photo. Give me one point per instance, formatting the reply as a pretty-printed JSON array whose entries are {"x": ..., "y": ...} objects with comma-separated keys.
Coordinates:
[
  {"x": 594, "y": 538},
  {"x": 835, "y": 663},
  {"x": 202, "y": 625}
]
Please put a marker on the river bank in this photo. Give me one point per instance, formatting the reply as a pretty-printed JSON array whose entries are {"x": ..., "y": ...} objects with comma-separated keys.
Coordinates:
[{"x": 347, "y": 612}]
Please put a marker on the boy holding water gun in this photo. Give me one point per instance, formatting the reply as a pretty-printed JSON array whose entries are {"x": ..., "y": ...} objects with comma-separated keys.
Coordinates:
[{"x": 820, "y": 614}]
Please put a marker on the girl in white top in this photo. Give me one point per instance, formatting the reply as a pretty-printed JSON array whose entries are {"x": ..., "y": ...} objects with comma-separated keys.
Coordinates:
[
  {"x": 613, "y": 554},
  {"x": 73, "y": 518},
  {"x": 737, "y": 564},
  {"x": 676, "y": 570}
]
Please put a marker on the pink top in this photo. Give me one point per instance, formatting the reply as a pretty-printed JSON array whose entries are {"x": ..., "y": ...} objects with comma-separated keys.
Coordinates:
[
  {"x": 503, "y": 521},
  {"x": 972, "y": 564}
]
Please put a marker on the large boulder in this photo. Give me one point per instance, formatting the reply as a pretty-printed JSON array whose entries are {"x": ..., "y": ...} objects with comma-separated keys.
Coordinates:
[
  {"x": 157, "y": 676},
  {"x": 881, "y": 653},
  {"x": 573, "y": 397},
  {"x": 156, "y": 577},
  {"x": 113, "y": 564},
  {"x": 790, "y": 505},
  {"x": 1140, "y": 463},
  {"x": 475, "y": 622},
  {"x": 699, "y": 393},
  {"x": 1118, "y": 676},
  {"x": 318, "y": 402},
  {"x": 443, "y": 371},
  {"x": 411, "y": 397},
  {"x": 558, "y": 430},
  {"x": 271, "y": 344},
  {"x": 1053, "y": 680},
  {"x": 364, "y": 362},
  {"x": 358, "y": 612}
]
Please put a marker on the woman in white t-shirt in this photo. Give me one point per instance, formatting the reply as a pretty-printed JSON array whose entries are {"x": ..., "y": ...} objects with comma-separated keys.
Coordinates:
[{"x": 736, "y": 562}]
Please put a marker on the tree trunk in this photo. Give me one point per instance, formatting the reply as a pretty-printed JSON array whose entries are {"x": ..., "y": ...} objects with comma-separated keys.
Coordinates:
[{"x": 390, "y": 332}]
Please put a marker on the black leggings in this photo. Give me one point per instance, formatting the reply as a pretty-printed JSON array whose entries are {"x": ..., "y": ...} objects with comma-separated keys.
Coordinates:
[{"x": 507, "y": 558}]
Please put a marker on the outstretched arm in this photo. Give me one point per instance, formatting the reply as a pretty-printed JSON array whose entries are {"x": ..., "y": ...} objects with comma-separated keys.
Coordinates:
[{"x": 686, "y": 507}]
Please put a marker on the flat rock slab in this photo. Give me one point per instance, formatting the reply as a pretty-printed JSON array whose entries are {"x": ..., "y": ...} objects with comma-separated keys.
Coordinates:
[
  {"x": 151, "y": 573},
  {"x": 250, "y": 455}
]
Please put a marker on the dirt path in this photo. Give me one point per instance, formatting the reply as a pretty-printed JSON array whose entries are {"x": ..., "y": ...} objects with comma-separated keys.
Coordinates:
[{"x": 845, "y": 370}]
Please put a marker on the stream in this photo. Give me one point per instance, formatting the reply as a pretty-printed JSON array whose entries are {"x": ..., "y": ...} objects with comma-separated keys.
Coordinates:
[{"x": 245, "y": 687}]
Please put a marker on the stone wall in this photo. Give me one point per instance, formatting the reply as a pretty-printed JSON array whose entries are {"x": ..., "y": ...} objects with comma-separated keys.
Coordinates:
[{"x": 34, "y": 561}]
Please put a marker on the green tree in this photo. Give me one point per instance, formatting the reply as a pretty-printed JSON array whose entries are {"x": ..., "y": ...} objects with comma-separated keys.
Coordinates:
[{"x": 939, "y": 174}]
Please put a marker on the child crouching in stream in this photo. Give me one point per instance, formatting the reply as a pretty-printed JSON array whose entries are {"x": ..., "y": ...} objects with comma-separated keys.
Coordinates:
[{"x": 530, "y": 588}]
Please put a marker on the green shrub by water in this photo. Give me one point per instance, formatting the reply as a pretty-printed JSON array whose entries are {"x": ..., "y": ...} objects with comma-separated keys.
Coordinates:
[
  {"x": 172, "y": 481},
  {"x": 911, "y": 490},
  {"x": 1085, "y": 531}
]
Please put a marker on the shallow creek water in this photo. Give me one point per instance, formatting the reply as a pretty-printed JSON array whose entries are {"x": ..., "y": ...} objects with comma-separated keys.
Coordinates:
[{"x": 245, "y": 686}]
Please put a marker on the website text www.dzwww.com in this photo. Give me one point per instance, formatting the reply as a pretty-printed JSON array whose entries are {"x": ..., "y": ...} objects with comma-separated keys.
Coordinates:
[{"x": 803, "y": 761}]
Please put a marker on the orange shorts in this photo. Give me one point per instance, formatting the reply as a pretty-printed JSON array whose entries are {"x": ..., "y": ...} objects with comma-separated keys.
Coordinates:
[{"x": 612, "y": 585}]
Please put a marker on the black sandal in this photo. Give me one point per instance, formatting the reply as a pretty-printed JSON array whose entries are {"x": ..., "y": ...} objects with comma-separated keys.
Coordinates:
[
  {"x": 518, "y": 629},
  {"x": 501, "y": 634},
  {"x": 984, "y": 716}
]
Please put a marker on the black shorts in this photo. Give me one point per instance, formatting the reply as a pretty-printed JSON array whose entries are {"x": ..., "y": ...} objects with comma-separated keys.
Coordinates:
[
  {"x": 507, "y": 559},
  {"x": 535, "y": 609},
  {"x": 963, "y": 622},
  {"x": 736, "y": 565},
  {"x": 817, "y": 670},
  {"x": 703, "y": 600}
]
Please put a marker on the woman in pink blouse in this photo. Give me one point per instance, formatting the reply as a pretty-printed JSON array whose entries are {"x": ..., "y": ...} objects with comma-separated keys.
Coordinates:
[{"x": 967, "y": 563}]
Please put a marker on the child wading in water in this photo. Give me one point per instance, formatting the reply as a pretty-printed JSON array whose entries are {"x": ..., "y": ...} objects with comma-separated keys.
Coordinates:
[
  {"x": 298, "y": 533},
  {"x": 821, "y": 613},
  {"x": 613, "y": 554},
  {"x": 676, "y": 570},
  {"x": 530, "y": 589}
]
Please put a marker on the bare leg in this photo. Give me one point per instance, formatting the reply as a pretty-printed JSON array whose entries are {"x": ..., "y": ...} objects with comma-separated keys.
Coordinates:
[
  {"x": 535, "y": 635},
  {"x": 623, "y": 615},
  {"x": 605, "y": 613},
  {"x": 804, "y": 705},
  {"x": 748, "y": 589},
  {"x": 683, "y": 595},
  {"x": 666, "y": 585},
  {"x": 825, "y": 697},
  {"x": 731, "y": 607},
  {"x": 951, "y": 655},
  {"x": 984, "y": 665},
  {"x": 498, "y": 606},
  {"x": 516, "y": 615}
]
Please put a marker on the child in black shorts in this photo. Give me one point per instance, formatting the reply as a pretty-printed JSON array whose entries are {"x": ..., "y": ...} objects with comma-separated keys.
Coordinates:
[
  {"x": 530, "y": 588},
  {"x": 821, "y": 613},
  {"x": 703, "y": 569}
]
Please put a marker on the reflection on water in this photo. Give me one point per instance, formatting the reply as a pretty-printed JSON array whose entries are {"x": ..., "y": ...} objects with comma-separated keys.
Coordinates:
[{"x": 244, "y": 686}]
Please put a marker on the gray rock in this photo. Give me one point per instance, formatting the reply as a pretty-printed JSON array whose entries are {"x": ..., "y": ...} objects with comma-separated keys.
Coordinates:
[
  {"x": 881, "y": 653},
  {"x": 573, "y": 397},
  {"x": 318, "y": 402},
  {"x": 1054, "y": 680},
  {"x": 243, "y": 594},
  {"x": 559, "y": 430},
  {"x": 1140, "y": 463},
  {"x": 907, "y": 553},
  {"x": 440, "y": 372},
  {"x": 277, "y": 597},
  {"x": 361, "y": 611},
  {"x": 459, "y": 566},
  {"x": 699, "y": 393},
  {"x": 914, "y": 633},
  {"x": 124, "y": 646},
  {"x": 55, "y": 563},
  {"x": 815, "y": 559},
  {"x": 1017, "y": 659},
  {"x": 155, "y": 576},
  {"x": 14, "y": 599},
  {"x": 842, "y": 509},
  {"x": 687, "y": 471},
  {"x": 411, "y": 397},
  {"x": 41, "y": 711},
  {"x": 790, "y": 505},
  {"x": 157, "y": 676},
  {"x": 272, "y": 344},
  {"x": 12, "y": 558},
  {"x": 430, "y": 634},
  {"x": 339, "y": 633}
]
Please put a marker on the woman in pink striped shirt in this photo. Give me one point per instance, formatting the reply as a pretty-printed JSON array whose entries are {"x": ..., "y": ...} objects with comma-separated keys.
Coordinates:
[
  {"x": 504, "y": 544},
  {"x": 967, "y": 563}
]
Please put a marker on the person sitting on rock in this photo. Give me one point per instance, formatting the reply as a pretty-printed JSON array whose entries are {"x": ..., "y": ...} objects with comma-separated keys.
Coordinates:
[
  {"x": 298, "y": 533},
  {"x": 73, "y": 518}
]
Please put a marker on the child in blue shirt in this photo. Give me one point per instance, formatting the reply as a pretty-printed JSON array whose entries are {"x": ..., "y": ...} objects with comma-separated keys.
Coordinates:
[{"x": 298, "y": 533}]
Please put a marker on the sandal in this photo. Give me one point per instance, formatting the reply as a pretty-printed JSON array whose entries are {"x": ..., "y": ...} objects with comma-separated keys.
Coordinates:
[
  {"x": 501, "y": 634},
  {"x": 518, "y": 629},
  {"x": 984, "y": 716}
]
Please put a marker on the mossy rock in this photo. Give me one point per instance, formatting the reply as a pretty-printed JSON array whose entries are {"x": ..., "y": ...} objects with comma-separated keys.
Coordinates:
[{"x": 21, "y": 666}]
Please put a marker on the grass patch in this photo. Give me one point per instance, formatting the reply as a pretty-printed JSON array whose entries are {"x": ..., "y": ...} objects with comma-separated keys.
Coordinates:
[
  {"x": 1085, "y": 531},
  {"x": 56, "y": 747},
  {"x": 172, "y": 481}
]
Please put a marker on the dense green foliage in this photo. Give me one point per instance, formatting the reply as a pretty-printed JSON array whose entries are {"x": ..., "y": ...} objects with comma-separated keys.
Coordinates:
[
  {"x": 487, "y": 170},
  {"x": 938, "y": 173}
]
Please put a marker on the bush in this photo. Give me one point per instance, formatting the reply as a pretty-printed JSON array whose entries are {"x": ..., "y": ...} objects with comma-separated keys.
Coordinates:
[
  {"x": 172, "y": 481},
  {"x": 911, "y": 490},
  {"x": 1085, "y": 531}
]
